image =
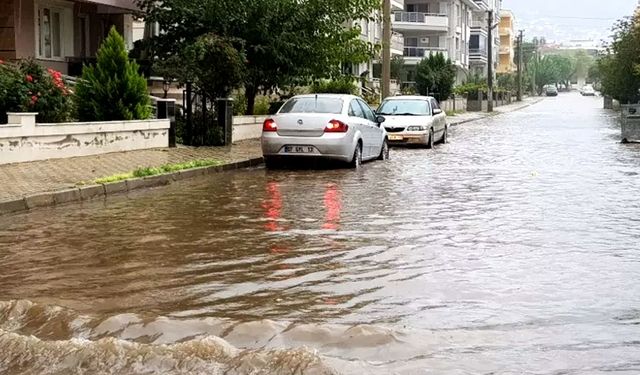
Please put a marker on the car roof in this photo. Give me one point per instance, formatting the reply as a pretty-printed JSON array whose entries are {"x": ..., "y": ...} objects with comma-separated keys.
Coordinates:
[
  {"x": 335, "y": 96},
  {"x": 409, "y": 97}
]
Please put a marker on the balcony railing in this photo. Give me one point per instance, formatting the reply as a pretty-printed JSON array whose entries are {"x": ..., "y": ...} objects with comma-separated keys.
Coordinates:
[
  {"x": 415, "y": 16},
  {"x": 423, "y": 52},
  {"x": 477, "y": 52}
]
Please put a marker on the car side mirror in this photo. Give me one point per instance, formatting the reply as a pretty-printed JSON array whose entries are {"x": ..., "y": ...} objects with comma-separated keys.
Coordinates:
[
  {"x": 437, "y": 111},
  {"x": 380, "y": 119}
]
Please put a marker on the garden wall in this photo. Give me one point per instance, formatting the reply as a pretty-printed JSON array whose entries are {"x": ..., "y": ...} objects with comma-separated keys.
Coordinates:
[
  {"x": 247, "y": 127},
  {"x": 23, "y": 140}
]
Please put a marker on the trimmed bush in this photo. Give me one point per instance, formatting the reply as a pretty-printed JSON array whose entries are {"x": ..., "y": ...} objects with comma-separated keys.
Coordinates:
[{"x": 112, "y": 89}]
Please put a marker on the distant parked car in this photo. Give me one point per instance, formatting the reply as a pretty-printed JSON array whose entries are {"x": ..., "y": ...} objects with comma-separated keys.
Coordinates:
[
  {"x": 414, "y": 120},
  {"x": 324, "y": 126},
  {"x": 588, "y": 90},
  {"x": 551, "y": 90}
]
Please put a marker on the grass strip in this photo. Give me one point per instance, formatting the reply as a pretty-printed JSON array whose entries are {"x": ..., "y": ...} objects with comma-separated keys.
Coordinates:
[{"x": 153, "y": 171}]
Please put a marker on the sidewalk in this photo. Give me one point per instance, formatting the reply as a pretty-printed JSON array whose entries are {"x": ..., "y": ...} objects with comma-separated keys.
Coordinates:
[
  {"x": 22, "y": 180},
  {"x": 45, "y": 183},
  {"x": 473, "y": 116}
]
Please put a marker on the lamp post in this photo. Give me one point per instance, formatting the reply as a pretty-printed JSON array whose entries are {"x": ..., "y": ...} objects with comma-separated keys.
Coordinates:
[{"x": 165, "y": 87}]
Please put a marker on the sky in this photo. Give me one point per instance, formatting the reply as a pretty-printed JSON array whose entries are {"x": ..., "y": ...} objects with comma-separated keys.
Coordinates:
[{"x": 564, "y": 20}]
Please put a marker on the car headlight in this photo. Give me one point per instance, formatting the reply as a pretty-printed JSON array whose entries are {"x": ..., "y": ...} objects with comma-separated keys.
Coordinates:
[{"x": 416, "y": 129}]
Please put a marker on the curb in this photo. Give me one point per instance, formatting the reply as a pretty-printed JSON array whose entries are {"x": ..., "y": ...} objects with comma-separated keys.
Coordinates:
[
  {"x": 496, "y": 113},
  {"x": 85, "y": 193}
]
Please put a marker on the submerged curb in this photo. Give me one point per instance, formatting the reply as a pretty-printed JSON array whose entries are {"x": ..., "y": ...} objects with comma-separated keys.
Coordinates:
[
  {"x": 487, "y": 115},
  {"x": 88, "y": 192}
]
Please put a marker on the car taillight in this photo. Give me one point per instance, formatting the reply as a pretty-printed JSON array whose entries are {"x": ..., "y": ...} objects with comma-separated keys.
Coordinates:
[
  {"x": 269, "y": 125},
  {"x": 336, "y": 126}
]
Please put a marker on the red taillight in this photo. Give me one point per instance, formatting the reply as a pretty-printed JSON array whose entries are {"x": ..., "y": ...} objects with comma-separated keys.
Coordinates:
[
  {"x": 336, "y": 126},
  {"x": 269, "y": 125}
]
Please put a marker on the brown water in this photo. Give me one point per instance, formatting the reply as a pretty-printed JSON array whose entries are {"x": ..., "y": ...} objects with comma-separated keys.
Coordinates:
[{"x": 513, "y": 249}]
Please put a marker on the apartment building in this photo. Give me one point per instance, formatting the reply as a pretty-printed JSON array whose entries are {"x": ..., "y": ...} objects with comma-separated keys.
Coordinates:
[
  {"x": 478, "y": 42},
  {"x": 431, "y": 26},
  {"x": 506, "y": 63},
  {"x": 61, "y": 34}
]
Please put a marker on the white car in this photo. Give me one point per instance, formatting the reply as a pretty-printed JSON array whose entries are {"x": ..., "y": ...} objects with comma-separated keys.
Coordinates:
[
  {"x": 588, "y": 91},
  {"x": 324, "y": 126},
  {"x": 414, "y": 120}
]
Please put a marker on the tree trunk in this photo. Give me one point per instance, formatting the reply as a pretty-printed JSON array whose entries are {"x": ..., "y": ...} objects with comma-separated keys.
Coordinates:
[{"x": 250, "y": 91}]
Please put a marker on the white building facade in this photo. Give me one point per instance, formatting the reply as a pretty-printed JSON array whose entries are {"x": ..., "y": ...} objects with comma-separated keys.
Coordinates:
[{"x": 479, "y": 41}]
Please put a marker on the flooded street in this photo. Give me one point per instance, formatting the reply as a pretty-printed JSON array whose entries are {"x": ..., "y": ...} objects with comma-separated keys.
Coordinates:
[{"x": 515, "y": 248}]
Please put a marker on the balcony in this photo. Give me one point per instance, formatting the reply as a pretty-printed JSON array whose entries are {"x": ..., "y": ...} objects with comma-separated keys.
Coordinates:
[
  {"x": 505, "y": 50},
  {"x": 413, "y": 55},
  {"x": 477, "y": 55},
  {"x": 505, "y": 31},
  {"x": 414, "y": 21},
  {"x": 483, "y": 4}
]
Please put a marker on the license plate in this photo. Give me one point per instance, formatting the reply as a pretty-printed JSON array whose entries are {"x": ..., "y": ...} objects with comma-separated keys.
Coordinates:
[
  {"x": 299, "y": 149},
  {"x": 395, "y": 138}
]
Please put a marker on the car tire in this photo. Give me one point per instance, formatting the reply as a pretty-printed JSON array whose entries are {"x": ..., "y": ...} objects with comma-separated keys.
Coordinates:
[
  {"x": 356, "y": 162},
  {"x": 384, "y": 152},
  {"x": 430, "y": 141}
]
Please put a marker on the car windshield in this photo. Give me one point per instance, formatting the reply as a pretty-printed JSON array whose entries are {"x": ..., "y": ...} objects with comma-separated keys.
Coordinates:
[
  {"x": 415, "y": 107},
  {"x": 313, "y": 105}
]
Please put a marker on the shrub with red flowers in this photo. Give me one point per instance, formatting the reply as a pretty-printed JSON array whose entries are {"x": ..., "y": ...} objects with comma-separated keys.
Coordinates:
[{"x": 28, "y": 87}]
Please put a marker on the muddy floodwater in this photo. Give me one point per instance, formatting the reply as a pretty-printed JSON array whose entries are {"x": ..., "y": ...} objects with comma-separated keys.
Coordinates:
[{"x": 515, "y": 249}]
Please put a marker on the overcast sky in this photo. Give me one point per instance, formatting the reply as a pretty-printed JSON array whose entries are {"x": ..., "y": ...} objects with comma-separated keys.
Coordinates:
[{"x": 563, "y": 20}]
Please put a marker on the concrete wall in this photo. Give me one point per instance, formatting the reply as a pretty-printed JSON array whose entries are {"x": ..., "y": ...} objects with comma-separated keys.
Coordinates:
[
  {"x": 457, "y": 104},
  {"x": 247, "y": 127},
  {"x": 23, "y": 140}
]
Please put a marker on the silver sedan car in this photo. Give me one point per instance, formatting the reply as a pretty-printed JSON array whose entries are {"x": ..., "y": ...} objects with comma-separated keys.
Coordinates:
[
  {"x": 414, "y": 120},
  {"x": 324, "y": 126}
]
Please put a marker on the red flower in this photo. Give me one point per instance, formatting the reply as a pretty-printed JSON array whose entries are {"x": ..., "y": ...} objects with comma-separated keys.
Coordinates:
[
  {"x": 1, "y": 61},
  {"x": 29, "y": 78},
  {"x": 34, "y": 100}
]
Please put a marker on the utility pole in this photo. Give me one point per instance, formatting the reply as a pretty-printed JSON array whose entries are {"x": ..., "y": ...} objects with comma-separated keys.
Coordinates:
[
  {"x": 386, "y": 49},
  {"x": 490, "y": 63},
  {"x": 520, "y": 41}
]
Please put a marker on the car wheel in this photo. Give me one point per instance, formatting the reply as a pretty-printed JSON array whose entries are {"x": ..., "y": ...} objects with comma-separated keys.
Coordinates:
[
  {"x": 430, "y": 141},
  {"x": 445, "y": 135},
  {"x": 356, "y": 162},
  {"x": 384, "y": 153}
]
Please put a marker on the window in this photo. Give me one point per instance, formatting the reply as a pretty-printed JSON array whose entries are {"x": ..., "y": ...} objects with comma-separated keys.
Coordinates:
[
  {"x": 50, "y": 32},
  {"x": 416, "y": 107},
  {"x": 434, "y": 104},
  {"x": 368, "y": 113},
  {"x": 355, "y": 110},
  {"x": 312, "y": 105},
  {"x": 474, "y": 42}
]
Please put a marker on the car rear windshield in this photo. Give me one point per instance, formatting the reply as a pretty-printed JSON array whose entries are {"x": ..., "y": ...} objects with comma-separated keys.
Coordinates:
[
  {"x": 404, "y": 107},
  {"x": 313, "y": 105}
]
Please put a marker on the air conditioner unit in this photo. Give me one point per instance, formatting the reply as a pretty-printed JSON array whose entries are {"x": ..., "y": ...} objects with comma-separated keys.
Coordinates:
[{"x": 424, "y": 40}]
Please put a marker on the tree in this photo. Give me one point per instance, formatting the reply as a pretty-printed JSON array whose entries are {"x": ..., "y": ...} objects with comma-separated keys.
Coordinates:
[
  {"x": 285, "y": 41},
  {"x": 619, "y": 69},
  {"x": 397, "y": 68},
  {"x": 213, "y": 63},
  {"x": 112, "y": 89},
  {"x": 546, "y": 72},
  {"x": 436, "y": 75},
  {"x": 563, "y": 67}
]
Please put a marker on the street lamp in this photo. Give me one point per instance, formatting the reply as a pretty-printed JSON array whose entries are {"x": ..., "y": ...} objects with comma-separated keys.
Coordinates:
[{"x": 165, "y": 87}]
